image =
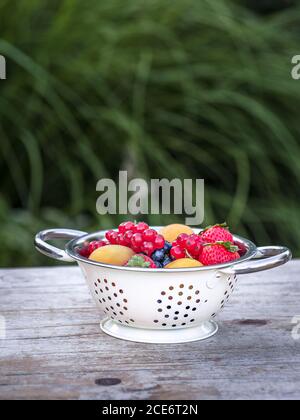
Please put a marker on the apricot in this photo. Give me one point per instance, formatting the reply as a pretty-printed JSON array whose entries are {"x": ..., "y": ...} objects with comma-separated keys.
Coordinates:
[
  {"x": 112, "y": 254},
  {"x": 184, "y": 263},
  {"x": 171, "y": 232}
]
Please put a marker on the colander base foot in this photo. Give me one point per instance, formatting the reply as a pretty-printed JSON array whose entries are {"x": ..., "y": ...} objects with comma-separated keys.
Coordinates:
[{"x": 140, "y": 335}]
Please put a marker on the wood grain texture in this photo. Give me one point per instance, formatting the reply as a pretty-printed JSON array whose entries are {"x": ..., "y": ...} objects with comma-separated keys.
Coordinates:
[{"x": 54, "y": 348}]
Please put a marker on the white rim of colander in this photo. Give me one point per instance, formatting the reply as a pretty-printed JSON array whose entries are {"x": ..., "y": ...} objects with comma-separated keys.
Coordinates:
[{"x": 75, "y": 243}]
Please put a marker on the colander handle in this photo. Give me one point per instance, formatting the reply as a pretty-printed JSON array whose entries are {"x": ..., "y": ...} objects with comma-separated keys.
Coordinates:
[
  {"x": 267, "y": 257},
  {"x": 51, "y": 251}
]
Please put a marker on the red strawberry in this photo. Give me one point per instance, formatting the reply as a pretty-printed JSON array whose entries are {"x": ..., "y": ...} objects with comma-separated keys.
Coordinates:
[
  {"x": 219, "y": 253},
  {"x": 141, "y": 260},
  {"x": 216, "y": 233}
]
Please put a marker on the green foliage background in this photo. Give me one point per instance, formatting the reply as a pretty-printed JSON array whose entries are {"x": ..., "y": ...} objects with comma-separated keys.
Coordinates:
[{"x": 162, "y": 88}]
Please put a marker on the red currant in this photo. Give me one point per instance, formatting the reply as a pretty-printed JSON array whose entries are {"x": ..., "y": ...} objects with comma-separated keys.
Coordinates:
[
  {"x": 112, "y": 237},
  {"x": 137, "y": 242},
  {"x": 190, "y": 245},
  {"x": 196, "y": 238},
  {"x": 128, "y": 236},
  {"x": 148, "y": 248},
  {"x": 84, "y": 252},
  {"x": 159, "y": 242},
  {"x": 149, "y": 235},
  {"x": 181, "y": 240},
  {"x": 140, "y": 227},
  {"x": 177, "y": 253},
  {"x": 124, "y": 227},
  {"x": 95, "y": 245},
  {"x": 197, "y": 251},
  {"x": 121, "y": 239}
]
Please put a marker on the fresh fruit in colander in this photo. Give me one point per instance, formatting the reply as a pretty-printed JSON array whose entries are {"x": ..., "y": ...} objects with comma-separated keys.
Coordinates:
[
  {"x": 173, "y": 303},
  {"x": 213, "y": 245}
]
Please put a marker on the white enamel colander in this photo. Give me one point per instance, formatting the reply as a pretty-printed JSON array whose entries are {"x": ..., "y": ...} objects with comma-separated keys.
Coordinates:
[{"x": 160, "y": 305}]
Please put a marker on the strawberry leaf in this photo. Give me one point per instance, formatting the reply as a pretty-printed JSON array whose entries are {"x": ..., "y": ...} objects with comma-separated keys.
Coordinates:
[
  {"x": 228, "y": 245},
  {"x": 222, "y": 225}
]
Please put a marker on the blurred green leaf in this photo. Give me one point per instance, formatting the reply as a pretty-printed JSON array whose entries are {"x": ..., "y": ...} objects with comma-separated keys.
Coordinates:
[{"x": 185, "y": 89}]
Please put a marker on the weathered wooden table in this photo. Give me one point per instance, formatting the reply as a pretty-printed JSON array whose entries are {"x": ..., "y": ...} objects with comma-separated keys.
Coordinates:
[{"x": 54, "y": 348}]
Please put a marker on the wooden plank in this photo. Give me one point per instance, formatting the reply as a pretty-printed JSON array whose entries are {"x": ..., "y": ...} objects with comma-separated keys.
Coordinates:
[{"x": 55, "y": 349}]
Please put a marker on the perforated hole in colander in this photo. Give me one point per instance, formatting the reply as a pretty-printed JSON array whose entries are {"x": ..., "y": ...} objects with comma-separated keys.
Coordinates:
[
  {"x": 117, "y": 309},
  {"x": 178, "y": 310}
]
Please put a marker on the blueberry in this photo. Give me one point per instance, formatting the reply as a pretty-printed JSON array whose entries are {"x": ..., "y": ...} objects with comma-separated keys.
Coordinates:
[
  {"x": 158, "y": 255},
  {"x": 166, "y": 261},
  {"x": 158, "y": 264},
  {"x": 167, "y": 247}
]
